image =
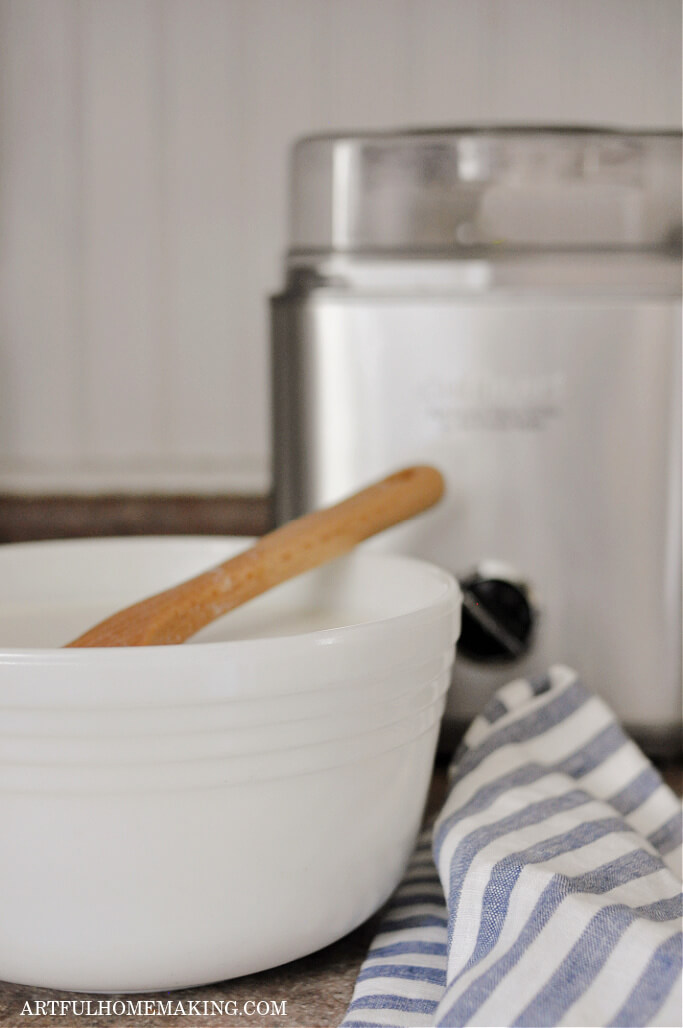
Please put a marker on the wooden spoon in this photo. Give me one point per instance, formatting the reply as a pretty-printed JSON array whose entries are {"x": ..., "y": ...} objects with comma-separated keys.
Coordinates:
[{"x": 176, "y": 614}]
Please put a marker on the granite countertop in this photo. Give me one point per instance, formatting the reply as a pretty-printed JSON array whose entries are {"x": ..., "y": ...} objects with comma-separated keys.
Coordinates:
[{"x": 316, "y": 989}]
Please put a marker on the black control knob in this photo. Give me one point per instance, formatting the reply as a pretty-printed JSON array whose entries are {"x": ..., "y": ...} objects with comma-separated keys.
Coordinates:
[{"x": 498, "y": 615}]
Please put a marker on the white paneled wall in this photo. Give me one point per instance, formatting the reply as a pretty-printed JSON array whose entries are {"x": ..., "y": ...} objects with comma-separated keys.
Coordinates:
[{"x": 143, "y": 148}]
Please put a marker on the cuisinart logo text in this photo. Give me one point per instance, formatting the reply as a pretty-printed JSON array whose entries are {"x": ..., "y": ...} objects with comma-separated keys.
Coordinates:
[{"x": 498, "y": 403}]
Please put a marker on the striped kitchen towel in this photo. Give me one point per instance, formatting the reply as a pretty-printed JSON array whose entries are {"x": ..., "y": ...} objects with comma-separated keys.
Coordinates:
[{"x": 548, "y": 891}]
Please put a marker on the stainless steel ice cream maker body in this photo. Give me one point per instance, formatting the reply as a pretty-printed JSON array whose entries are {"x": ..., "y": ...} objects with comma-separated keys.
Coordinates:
[{"x": 505, "y": 304}]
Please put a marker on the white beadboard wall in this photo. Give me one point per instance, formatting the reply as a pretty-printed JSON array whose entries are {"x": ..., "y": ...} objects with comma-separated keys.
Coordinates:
[{"x": 143, "y": 148}]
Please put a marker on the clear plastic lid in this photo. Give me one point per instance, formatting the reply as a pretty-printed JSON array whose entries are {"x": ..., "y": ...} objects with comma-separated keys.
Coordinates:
[{"x": 473, "y": 191}]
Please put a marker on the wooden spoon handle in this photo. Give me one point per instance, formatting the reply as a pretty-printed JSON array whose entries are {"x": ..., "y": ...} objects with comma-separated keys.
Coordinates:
[{"x": 176, "y": 614}]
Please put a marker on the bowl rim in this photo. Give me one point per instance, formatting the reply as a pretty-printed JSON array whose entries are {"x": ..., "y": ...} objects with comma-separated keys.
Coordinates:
[{"x": 448, "y": 596}]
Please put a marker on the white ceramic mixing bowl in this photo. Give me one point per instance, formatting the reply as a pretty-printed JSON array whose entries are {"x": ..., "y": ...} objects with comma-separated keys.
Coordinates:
[{"x": 178, "y": 815}]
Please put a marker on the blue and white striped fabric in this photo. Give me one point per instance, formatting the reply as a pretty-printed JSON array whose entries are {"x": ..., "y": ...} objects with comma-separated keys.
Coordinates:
[{"x": 548, "y": 891}]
